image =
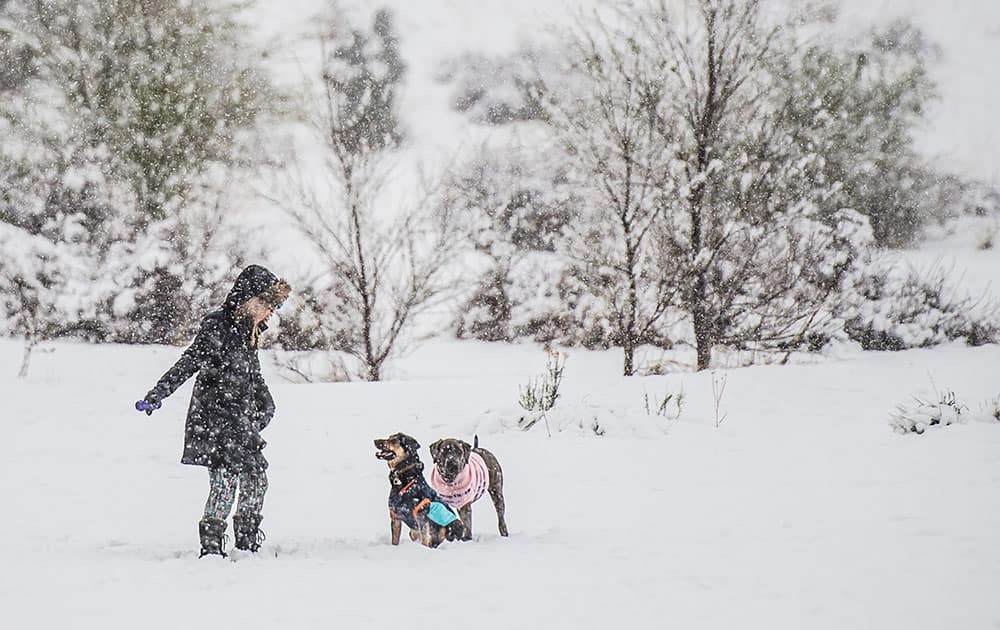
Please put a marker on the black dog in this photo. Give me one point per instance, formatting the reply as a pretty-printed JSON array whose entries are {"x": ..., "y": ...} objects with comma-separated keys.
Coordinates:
[
  {"x": 411, "y": 500},
  {"x": 463, "y": 473}
]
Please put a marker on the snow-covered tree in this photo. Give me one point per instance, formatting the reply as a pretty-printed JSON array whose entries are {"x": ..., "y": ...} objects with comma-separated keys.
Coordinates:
[
  {"x": 162, "y": 84},
  {"x": 857, "y": 106},
  {"x": 131, "y": 112},
  {"x": 753, "y": 235}
]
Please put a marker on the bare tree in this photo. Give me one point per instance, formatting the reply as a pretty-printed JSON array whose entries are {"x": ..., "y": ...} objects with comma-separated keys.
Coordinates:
[
  {"x": 711, "y": 67},
  {"x": 609, "y": 133},
  {"x": 381, "y": 268}
]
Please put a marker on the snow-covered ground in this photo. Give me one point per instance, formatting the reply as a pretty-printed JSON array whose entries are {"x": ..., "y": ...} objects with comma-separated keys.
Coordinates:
[{"x": 802, "y": 510}]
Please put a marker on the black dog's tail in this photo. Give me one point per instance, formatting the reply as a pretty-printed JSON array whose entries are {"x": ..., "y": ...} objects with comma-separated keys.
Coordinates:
[{"x": 475, "y": 441}]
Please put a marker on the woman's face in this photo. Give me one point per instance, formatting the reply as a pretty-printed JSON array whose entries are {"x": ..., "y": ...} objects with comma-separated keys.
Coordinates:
[{"x": 260, "y": 310}]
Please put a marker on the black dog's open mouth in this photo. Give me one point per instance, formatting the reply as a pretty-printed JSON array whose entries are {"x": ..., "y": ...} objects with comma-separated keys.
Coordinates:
[{"x": 383, "y": 451}]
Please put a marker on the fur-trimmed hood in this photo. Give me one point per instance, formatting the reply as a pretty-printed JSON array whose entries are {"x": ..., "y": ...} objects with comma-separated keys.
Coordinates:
[{"x": 256, "y": 281}]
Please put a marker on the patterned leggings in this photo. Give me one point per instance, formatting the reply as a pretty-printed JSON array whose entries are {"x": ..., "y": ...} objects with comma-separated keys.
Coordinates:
[{"x": 222, "y": 493}]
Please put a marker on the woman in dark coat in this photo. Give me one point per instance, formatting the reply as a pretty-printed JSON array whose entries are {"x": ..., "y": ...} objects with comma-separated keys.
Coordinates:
[{"x": 229, "y": 408}]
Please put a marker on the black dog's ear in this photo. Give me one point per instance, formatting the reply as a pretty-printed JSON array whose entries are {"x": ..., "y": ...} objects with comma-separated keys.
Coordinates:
[
  {"x": 435, "y": 448},
  {"x": 410, "y": 445}
]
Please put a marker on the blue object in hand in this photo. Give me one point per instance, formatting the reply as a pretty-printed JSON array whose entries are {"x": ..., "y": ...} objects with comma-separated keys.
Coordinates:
[
  {"x": 148, "y": 407},
  {"x": 441, "y": 514}
]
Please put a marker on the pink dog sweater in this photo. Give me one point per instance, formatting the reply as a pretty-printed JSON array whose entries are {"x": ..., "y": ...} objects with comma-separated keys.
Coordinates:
[{"x": 469, "y": 485}]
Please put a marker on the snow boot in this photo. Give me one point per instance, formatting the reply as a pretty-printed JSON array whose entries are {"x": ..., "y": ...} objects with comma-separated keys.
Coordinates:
[
  {"x": 212, "y": 532},
  {"x": 247, "y": 531}
]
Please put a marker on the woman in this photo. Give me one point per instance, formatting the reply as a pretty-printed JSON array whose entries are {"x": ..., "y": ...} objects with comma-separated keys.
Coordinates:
[{"x": 229, "y": 408}]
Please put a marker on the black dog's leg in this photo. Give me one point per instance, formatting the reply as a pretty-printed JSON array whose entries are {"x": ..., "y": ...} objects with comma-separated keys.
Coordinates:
[{"x": 395, "y": 525}]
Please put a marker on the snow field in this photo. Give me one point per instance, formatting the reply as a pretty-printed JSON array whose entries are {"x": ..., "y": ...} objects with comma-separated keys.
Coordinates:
[{"x": 803, "y": 509}]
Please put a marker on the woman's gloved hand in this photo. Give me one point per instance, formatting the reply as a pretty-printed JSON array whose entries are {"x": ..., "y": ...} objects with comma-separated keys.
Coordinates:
[{"x": 148, "y": 407}]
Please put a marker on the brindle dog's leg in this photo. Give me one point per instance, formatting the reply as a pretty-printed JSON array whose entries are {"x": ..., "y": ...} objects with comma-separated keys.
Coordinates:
[
  {"x": 465, "y": 513},
  {"x": 496, "y": 487},
  {"x": 496, "y": 493},
  {"x": 394, "y": 527}
]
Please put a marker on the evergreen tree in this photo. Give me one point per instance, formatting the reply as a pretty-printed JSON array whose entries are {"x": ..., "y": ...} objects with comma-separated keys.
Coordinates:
[
  {"x": 364, "y": 73},
  {"x": 132, "y": 112},
  {"x": 857, "y": 108}
]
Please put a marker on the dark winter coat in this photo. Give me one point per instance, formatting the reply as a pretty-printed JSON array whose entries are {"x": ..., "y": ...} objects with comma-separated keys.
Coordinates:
[{"x": 231, "y": 403}]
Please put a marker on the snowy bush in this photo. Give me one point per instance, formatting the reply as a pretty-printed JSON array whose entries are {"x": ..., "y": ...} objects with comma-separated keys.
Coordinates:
[
  {"x": 315, "y": 366},
  {"x": 513, "y": 210},
  {"x": 315, "y": 319},
  {"x": 992, "y": 408},
  {"x": 539, "y": 396},
  {"x": 494, "y": 90},
  {"x": 919, "y": 414},
  {"x": 988, "y": 237},
  {"x": 901, "y": 310},
  {"x": 486, "y": 314},
  {"x": 668, "y": 405},
  {"x": 951, "y": 197}
]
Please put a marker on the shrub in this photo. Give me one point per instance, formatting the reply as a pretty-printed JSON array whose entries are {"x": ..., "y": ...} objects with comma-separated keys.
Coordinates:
[
  {"x": 917, "y": 310},
  {"x": 918, "y": 415},
  {"x": 539, "y": 396}
]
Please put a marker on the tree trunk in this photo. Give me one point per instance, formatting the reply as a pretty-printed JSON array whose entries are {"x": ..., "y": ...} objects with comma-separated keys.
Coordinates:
[
  {"x": 697, "y": 299},
  {"x": 29, "y": 345},
  {"x": 703, "y": 137},
  {"x": 703, "y": 337},
  {"x": 628, "y": 349},
  {"x": 631, "y": 311},
  {"x": 703, "y": 345}
]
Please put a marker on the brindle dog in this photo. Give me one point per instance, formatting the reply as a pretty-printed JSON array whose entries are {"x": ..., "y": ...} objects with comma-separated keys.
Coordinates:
[
  {"x": 450, "y": 459},
  {"x": 410, "y": 498}
]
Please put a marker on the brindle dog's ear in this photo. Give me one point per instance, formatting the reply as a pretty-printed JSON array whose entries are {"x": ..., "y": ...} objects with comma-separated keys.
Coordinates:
[
  {"x": 435, "y": 449},
  {"x": 409, "y": 444},
  {"x": 466, "y": 449}
]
